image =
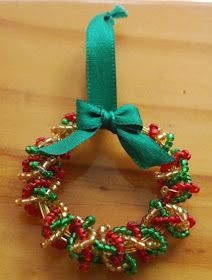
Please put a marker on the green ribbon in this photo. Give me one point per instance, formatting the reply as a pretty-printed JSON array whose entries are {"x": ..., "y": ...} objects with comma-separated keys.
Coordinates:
[{"x": 100, "y": 111}]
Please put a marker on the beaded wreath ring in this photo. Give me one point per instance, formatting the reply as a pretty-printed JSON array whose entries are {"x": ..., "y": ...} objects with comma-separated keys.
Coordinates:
[{"x": 43, "y": 171}]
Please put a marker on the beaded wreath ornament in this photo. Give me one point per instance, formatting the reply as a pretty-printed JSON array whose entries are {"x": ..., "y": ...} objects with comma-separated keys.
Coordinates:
[{"x": 148, "y": 146}]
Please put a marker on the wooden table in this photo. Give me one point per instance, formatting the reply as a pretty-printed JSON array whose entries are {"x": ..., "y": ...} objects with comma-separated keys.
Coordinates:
[{"x": 164, "y": 66}]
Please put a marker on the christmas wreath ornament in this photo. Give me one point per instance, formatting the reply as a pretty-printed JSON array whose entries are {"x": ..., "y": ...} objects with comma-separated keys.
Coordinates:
[{"x": 147, "y": 146}]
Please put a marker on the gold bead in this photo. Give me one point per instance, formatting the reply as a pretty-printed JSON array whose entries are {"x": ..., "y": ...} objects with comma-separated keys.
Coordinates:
[
  {"x": 145, "y": 130},
  {"x": 164, "y": 190},
  {"x": 20, "y": 201},
  {"x": 161, "y": 136}
]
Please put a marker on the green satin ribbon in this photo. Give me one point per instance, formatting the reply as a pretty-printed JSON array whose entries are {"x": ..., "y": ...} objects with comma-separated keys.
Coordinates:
[{"x": 101, "y": 109}]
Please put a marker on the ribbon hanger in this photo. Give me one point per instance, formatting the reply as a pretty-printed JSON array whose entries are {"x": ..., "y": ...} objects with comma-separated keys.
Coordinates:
[{"x": 100, "y": 110}]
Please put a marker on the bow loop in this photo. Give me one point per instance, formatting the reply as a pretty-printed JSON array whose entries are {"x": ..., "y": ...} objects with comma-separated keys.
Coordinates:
[
  {"x": 128, "y": 118},
  {"x": 88, "y": 116}
]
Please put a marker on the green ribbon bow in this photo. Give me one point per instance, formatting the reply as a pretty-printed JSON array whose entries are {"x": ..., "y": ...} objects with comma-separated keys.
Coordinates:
[{"x": 101, "y": 109}]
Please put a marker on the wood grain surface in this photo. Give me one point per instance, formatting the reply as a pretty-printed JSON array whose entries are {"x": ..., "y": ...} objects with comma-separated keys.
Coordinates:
[{"x": 164, "y": 66}]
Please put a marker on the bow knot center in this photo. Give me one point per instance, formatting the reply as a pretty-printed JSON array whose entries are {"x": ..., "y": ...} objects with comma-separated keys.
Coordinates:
[{"x": 108, "y": 120}]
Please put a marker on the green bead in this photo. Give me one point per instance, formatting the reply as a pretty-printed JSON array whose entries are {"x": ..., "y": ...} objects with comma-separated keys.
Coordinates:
[
  {"x": 169, "y": 228},
  {"x": 32, "y": 150},
  {"x": 186, "y": 232},
  {"x": 174, "y": 151},
  {"x": 69, "y": 247},
  {"x": 155, "y": 203},
  {"x": 99, "y": 245},
  {"x": 157, "y": 235},
  {"x": 55, "y": 225},
  {"x": 185, "y": 169},
  {"x": 129, "y": 232},
  {"x": 65, "y": 121},
  {"x": 52, "y": 196},
  {"x": 40, "y": 191},
  {"x": 116, "y": 229},
  {"x": 70, "y": 241},
  {"x": 47, "y": 174},
  {"x": 131, "y": 269},
  {"x": 127, "y": 257},
  {"x": 163, "y": 212},
  {"x": 70, "y": 218},
  {"x": 89, "y": 221},
  {"x": 131, "y": 272},
  {"x": 163, "y": 249},
  {"x": 187, "y": 180},
  {"x": 34, "y": 165},
  {"x": 151, "y": 231},
  {"x": 73, "y": 256},
  {"x": 123, "y": 230},
  {"x": 183, "y": 162},
  {"x": 113, "y": 249},
  {"x": 81, "y": 257},
  {"x": 96, "y": 259},
  {"x": 144, "y": 231},
  {"x": 170, "y": 137},
  {"x": 151, "y": 203},
  {"x": 107, "y": 248},
  {"x": 64, "y": 222},
  {"x": 168, "y": 144},
  {"x": 188, "y": 195}
]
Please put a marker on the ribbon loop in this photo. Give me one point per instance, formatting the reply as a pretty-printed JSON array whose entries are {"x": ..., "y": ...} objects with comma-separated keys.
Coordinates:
[{"x": 101, "y": 109}]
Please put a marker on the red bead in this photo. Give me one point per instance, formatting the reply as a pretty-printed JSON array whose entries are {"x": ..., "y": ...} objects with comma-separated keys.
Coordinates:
[
  {"x": 194, "y": 188},
  {"x": 156, "y": 220},
  {"x": 83, "y": 237},
  {"x": 153, "y": 130},
  {"x": 136, "y": 230},
  {"x": 138, "y": 236},
  {"x": 57, "y": 211},
  {"x": 172, "y": 219},
  {"x": 48, "y": 220},
  {"x": 113, "y": 236},
  {"x": 144, "y": 256},
  {"x": 118, "y": 240},
  {"x": 60, "y": 174},
  {"x": 77, "y": 222},
  {"x": 120, "y": 247},
  {"x": 66, "y": 156},
  {"x": 47, "y": 233},
  {"x": 191, "y": 220},
  {"x": 179, "y": 187},
  {"x": 71, "y": 117},
  {"x": 116, "y": 261},
  {"x": 87, "y": 254},
  {"x": 80, "y": 231},
  {"x": 39, "y": 140},
  {"x": 25, "y": 165},
  {"x": 165, "y": 167},
  {"x": 153, "y": 125},
  {"x": 109, "y": 233},
  {"x": 59, "y": 244},
  {"x": 26, "y": 192},
  {"x": 31, "y": 210},
  {"x": 186, "y": 154},
  {"x": 131, "y": 225}
]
